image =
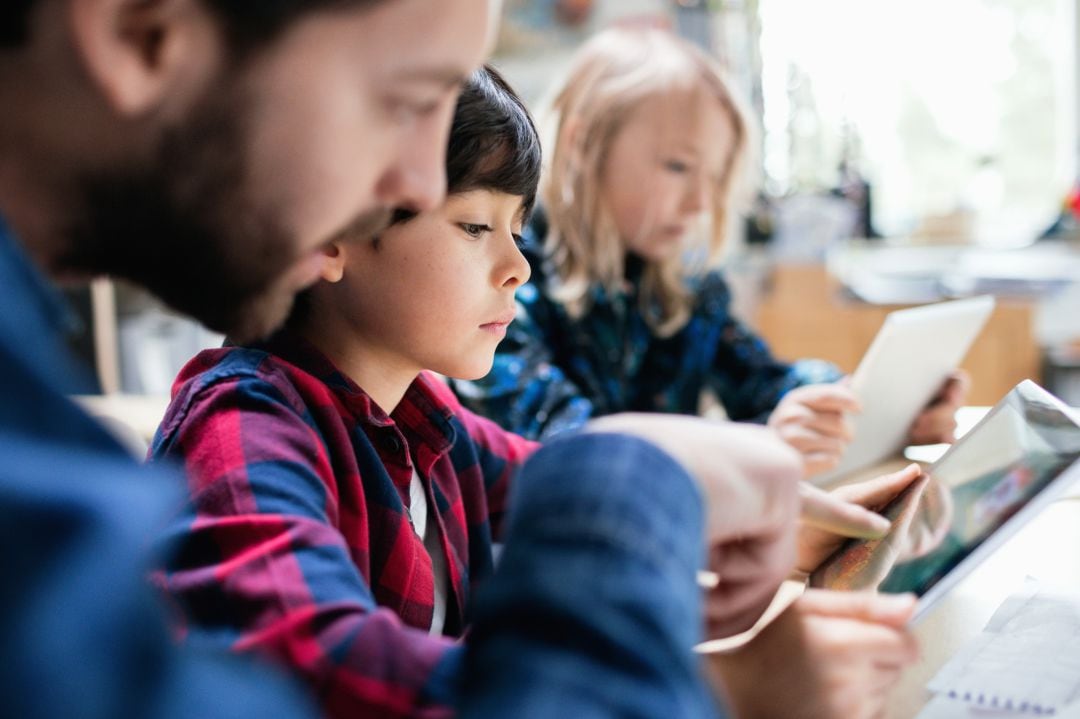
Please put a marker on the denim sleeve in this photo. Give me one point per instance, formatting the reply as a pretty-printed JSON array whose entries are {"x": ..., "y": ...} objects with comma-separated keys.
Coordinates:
[
  {"x": 594, "y": 608},
  {"x": 82, "y": 634},
  {"x": 745, "y": 375}
]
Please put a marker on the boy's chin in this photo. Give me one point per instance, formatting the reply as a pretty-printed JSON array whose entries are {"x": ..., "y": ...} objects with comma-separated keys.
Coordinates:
[{"x": 471, "y": 371}]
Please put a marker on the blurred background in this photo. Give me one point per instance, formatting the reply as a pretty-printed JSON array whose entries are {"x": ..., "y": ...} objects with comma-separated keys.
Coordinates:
[{"x": 909, "y": 152}]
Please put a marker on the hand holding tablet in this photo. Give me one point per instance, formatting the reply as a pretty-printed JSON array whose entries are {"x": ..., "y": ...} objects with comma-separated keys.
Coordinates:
[
  {"x": 920, "y": 516},
  {"x": 815, "y": 420},
  {"x": 995, "y": 479},
  {"x": 914, "y": 353}
]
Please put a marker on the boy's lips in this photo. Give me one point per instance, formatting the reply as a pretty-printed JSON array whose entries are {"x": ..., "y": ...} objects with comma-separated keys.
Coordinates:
[{"x": 500, "y": 322}]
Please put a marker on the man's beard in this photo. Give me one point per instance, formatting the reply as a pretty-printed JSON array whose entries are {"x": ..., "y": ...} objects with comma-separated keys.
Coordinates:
[{"x": 183, "y": 226}]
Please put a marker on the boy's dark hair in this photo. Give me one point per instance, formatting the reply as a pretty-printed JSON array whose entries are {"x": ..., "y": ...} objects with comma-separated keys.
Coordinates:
[
  {"x": 493, "y": 144},
  {"x": 248, "y": 23},
  {"x": 493, "y": 141}
]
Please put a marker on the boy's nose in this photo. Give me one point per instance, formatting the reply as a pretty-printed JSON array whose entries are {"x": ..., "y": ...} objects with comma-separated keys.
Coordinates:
[{"x": 515, "y": 269}]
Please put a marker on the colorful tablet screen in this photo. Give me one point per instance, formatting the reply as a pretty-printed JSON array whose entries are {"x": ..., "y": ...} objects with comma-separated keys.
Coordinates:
[{"x": 1024, "y": 443}]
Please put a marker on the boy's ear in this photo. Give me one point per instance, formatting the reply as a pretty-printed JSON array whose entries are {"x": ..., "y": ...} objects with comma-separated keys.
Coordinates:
[
  {"x": 333, "y": 263},
  {"x": 144, "y": 53}
]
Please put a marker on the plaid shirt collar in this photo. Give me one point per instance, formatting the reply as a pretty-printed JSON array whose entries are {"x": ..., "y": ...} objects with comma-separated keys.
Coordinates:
[{"x": 423, "y": 414}]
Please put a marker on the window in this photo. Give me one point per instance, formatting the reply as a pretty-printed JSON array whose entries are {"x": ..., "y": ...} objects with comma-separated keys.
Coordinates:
[{"x": 948, "y": 107}]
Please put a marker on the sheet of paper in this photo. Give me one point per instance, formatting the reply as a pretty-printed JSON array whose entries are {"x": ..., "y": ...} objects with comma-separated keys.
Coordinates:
[{"x": 1027, "y": 659}]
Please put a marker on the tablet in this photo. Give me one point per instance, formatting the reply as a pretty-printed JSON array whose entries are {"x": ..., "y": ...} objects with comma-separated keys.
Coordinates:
[
  {"x": 1011, "y": 465},
  {"x": 909, "y": 359}
]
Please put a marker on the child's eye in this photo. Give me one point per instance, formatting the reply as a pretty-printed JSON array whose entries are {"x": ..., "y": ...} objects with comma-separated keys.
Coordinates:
[
  {"x": 677, "y": 166},
  {"x": 475, "y": 230},
  {"x": 519, "y": 241}
]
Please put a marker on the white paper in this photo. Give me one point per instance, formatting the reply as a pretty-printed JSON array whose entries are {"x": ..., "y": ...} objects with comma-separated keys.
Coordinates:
[{"x": 1027, "y": 659}]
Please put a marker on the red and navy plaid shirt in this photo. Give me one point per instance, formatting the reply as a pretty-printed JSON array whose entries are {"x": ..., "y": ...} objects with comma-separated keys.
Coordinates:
[{"x": 298, "y": 540}]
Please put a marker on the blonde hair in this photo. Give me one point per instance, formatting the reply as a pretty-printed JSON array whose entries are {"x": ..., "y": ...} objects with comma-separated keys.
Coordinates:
[{"x": 612, "y": 75}]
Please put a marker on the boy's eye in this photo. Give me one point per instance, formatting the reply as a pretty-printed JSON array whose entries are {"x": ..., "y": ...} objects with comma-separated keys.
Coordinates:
[
  {"x": 474, "y": 230},
  {"x": 677, "y": 166}
]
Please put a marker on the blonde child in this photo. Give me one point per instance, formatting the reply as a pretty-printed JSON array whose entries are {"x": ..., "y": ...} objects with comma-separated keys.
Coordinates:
[{"x": 625, "y": 310}]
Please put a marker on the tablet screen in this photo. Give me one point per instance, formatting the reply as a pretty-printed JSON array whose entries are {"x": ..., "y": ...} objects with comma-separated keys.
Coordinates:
[{"x": 998, "y": 468}]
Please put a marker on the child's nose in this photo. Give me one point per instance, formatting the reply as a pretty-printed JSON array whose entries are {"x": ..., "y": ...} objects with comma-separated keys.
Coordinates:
[
  {"x": 696, "y": 199},
  {"x": 514, "y": 270}
]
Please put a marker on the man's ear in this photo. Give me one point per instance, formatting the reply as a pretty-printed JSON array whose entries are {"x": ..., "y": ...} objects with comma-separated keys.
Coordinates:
[
  {"x": 140, "y": 53},
  {"x": 333, "y": 268}
]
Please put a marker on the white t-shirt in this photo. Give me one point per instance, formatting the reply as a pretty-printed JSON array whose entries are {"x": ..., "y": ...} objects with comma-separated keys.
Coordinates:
[{"x": 419, "y": 514}]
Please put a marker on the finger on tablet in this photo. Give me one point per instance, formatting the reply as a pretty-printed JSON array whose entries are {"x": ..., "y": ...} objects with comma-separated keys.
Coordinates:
[
  {"x": 833, "y": 514},
  {"x": 878, "y": 492}
]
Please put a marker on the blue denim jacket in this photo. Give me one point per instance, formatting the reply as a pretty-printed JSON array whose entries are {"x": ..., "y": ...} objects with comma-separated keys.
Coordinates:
[{"x": 81, "y": 632}]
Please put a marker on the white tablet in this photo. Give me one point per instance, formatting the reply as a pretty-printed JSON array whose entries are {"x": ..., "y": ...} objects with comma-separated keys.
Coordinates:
[
  {"x": 909, "y": 359},
  {"x": 1009, "y": 467}
]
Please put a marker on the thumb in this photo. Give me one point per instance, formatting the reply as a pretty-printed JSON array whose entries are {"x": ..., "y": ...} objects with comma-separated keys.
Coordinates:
[
  {"x": 826, "y": 511},
  {"x": 878, "y": 492}
]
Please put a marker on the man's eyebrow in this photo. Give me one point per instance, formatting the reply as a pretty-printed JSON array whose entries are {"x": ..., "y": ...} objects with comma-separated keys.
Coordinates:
[{"x": 447, "y": 78}]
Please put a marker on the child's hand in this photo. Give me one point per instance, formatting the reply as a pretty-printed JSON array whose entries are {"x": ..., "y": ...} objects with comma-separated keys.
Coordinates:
[
  {"x": 813, "y": 420},
  {"x": 829, "y": 655},
  {"x": 749, "y": 480},
  {"x": 937, "y": 423},
  {"x": 817, "y": 540}
]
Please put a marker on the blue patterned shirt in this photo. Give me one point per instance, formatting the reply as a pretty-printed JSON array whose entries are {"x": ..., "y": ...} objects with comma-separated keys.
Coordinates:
[{"x": 552, "y": 373}]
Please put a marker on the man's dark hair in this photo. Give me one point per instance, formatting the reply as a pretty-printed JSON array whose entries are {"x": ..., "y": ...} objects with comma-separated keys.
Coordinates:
[
  {"x": 248, "y": 23},
  {"x": 14, "y": 15}
]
